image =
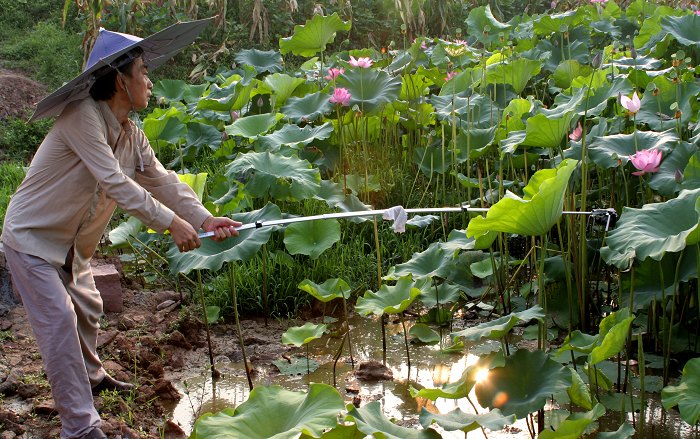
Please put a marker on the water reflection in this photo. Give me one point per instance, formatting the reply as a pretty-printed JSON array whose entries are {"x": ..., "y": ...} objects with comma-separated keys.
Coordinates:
[{"x": 429, "y": 368}]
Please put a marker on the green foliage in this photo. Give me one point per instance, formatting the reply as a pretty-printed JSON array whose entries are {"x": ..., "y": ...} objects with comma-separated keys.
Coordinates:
[
  {"x": 51, "y": 54},
  {"x": 19, "y": 140},
  {"x": 11, "y": 175}
]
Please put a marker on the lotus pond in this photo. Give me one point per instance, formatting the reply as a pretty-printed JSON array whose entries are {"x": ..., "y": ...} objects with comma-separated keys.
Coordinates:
[{"x": 561, "y": 298}]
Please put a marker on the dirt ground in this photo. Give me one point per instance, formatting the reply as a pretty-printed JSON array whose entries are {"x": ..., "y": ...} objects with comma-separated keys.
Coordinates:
[
  {"x": 18, "y": 94},
  {"x": 154, "y": 342}
]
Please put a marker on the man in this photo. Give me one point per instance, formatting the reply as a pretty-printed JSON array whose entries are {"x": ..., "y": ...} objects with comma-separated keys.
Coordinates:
[{"x": 93, "y": 159}]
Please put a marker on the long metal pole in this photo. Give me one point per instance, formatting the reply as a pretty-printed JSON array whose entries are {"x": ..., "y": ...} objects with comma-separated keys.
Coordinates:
[{"x": 609, "y": 213}]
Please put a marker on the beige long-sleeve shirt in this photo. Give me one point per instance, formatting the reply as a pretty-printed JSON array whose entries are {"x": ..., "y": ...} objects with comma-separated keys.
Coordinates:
[{"x": 87, "y": 165}]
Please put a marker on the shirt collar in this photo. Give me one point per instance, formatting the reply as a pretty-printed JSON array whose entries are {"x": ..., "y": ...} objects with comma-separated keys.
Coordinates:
[{"x": 115, "y": 128}]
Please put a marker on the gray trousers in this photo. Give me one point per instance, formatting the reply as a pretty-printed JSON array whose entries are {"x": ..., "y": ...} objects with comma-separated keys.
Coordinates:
[{"x": 64, "y": 316}]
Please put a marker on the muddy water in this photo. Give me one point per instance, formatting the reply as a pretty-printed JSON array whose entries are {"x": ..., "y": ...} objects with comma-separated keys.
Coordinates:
[{"x": 429, "y": 368}]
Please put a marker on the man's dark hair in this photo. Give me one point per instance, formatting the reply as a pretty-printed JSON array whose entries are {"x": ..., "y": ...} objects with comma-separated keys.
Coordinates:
[{"x": 104, "y": 87}]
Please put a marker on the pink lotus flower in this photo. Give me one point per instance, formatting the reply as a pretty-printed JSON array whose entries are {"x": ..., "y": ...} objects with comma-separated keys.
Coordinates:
[
  {"x": 341, "y": 96},
  {"x": 461, "y": 42},
  {"x": 647, "y": 161},
  {"x": 364, "y": 63},
  {"x": 576, "y": 133},
  {"x": 334, "y": 73},
  {"x": 450, "y": 75},
  {"x": 697, "y": 12},
  {"x": 633, "y": 105}
]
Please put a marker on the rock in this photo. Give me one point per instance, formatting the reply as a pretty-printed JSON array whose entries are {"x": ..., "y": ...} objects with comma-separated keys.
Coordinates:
[
  {"x": 173, "y": 431},
  {"x": 108, "y": 283},
  {"x": 156, "y": 370},
  {"x": 106, "y": 337},
  {"x": 11, "y": 383},
  {"x": 163, "y": 296},
  {"x": 177, "y": 339},
  {"x": 8, "y": 435},
  {"x": 166, "y": 391},
  {"x": 373, "y": 371},
  {"x": 28, "y": 391},
  {"x": 166, "y": 304},
  {"x": 352, "y": 386},
  {"x": 46, "y": 408},
  {"x": 126, "y": 323}
]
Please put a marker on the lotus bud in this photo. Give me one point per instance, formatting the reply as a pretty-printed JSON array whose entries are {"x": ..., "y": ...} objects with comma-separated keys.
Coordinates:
[
  {"x": 633, "y": 51},
  {"x": 596, "y": 60},
  {"x": 261, "y": 102},
  {"x": 235, "y": 115},
  {"x": 678, "y": 176}
]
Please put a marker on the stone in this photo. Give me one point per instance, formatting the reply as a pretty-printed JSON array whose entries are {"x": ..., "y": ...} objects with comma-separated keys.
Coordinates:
[
  {"x": 173, "y": 431},
  {"x": 373, "y": 371},
  {"x": 108, "y": 283}
]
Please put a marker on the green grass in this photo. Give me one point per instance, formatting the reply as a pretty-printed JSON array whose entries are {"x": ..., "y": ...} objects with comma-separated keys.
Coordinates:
[{"x": 11, "y": 175}]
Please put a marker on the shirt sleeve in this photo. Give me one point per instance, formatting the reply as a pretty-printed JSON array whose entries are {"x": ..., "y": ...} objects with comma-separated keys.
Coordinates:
[
  {"x": 84, "y": 131},
  {"x": 166, "y": 186}
]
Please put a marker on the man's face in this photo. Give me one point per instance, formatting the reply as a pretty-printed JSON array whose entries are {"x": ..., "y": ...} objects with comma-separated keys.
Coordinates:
[{"x": 138, "y": 84}]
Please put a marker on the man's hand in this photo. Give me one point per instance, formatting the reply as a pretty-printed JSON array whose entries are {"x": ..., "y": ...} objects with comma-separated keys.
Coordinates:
[
  {"x": 221, "y": 226},
  {"x": 185, "y": 236}
]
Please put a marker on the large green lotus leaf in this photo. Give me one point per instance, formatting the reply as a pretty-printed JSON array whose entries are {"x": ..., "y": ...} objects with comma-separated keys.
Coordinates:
[
  {"x": 221, "y": 98},
  {"x": 475, "y": 143},
  {"x": 614, "y": 330},
  {"x": 433, "y": 262},
  {"x": 197, "y": 182},
  {"x": 649, "y": 273},
  {"x": 578, "y": 392},
  {"x": 173, "y": 90},
  {"x": 665, "y": 181},
  {"x": 414, "y": 86},
  {"x": 580, "y": 342},
  {"x": 327, "y": 291},
  {"x": 685, "y": 29},
  {"x": 446, "y": 292},
  {"x": 272, "y": 412},
  {"x": 301, "y": 335},
  {"x": 371, "y": 421},
  {"x": 212, "y": 255},
  {"x": 464, "y": 80},
  {"x": 433, "y": 160},
  {"x": 389, "y": 299},
  {"x": 200, "y": 135},
  {"x": 282, "y": 86},
  {"x": 311, "y": 238},
  {"x": 307, "y": 108},
  {"x": 575, "y": 424},
  {"x": 656, "y": 110},
  {"x": 567, "y": 71},
  {"x": 498, "y": 328},
  {"x": 523, "y": 385},
  {"x": 547, "y": 24},
  {"x": 253, "y": 126},
  {"x": 342, "y": 431},
  {"x": 312, "y": 37},
  {"x": 463, "y": 386},
  {"x": 283, "y": 178},
  {"x": 165, "y": 125},
  {"x": 691, "y": 174},
  {"x": 477, "y": 110},
  {"x": 686, "y": 395},
  {"x": 424, "y": 333},
  {"x": 121, "y": 235},
  {"x": 625, "y": 431},
  {"x": 370, "y": 88},
  {"x": 517, "y": 73},
  {"x": 543, "y": 131},
  {"x": 482, "y": 25},
  {"x": 466, "y": 422},
  {"x": 261, "y": 60},
  {"x": 649, "y": 232},
  {"x": 533, "y": 215},
  {"x": 294, "y": 136},
  {"x": 651, "y": 33},
  {"x": 609, "y": 151},
  {"x": 296, "y": 366}
]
